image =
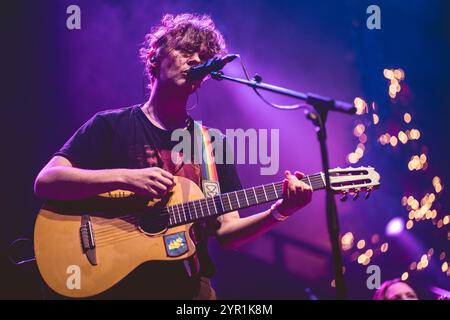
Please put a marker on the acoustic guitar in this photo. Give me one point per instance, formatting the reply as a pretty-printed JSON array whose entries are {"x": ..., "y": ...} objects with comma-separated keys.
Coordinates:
[{"x": 85, "y": 247}]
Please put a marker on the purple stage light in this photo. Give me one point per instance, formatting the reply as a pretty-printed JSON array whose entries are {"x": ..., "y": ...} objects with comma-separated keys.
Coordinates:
[{"x": 395, "y": 226}]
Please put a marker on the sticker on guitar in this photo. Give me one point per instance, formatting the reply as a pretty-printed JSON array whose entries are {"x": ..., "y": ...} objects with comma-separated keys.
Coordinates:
[{"x": 176, "y": 244}]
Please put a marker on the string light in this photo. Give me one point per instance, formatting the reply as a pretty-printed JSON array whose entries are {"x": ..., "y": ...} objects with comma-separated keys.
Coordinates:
[
  {"x": 388, "y": 74},
  {"x": 399, "y": 74},
  {"x": 404, "y": 200},
  {"x": 347, "y": 241},
  {"x": 359, "y": 130},
  {"x": 363, "y": 138},
  {"x": 366, "y": 261},
  {"x": 361, "y": 244},
  {"x": 418, "y": 163},
  {"x": 407, "y": 117},
  {"x": 395, "y": 76},
  {"x": 393, "y": 141},
  {"x": 417, "y": 209},
  {"x": 437, "y": 184},
  {"x": 409, "y": 224},
  {"x": 360, "y": 105},
  {"x": 444, "y": 267},
  {"x": 433, "y": 214},
  {"x": 355, "y": 156},
  {"x": 375, "y": 118},
  {"x": 384, "y": 139},
  {"x": 413, "y": 134},
  {"x": 446, "y": 220},
  {"x": 374, "y": 106},
  {"x": 405, "y": 276},
  {"x": 352, "y": 158},
  {"x": 361, "y": 258},
  {"x": 402, "y": 137},
  {"x": 424, "y": 261},
  {"x": 361, "y": 146},
  {"x": 421, "y": 212},
  {"x": 359, "y": 152}
]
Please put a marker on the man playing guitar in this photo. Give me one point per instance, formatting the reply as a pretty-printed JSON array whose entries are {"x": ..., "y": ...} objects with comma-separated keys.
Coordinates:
[{"x": 130, "y": 149}]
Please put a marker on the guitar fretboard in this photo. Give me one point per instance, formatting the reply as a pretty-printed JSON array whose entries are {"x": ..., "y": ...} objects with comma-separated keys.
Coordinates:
[{"x": 227, "y": 202}]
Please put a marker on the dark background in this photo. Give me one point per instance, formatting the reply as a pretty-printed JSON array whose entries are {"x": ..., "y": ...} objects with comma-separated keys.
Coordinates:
[{"x": 55, "y": 79}]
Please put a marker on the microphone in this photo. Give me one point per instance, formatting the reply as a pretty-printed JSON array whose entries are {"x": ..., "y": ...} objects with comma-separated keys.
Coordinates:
[{"x": 212, "y": 65}]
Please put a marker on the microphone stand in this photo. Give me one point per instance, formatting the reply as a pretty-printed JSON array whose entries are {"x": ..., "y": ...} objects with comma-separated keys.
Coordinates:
[{"x": 318, "y": 116}]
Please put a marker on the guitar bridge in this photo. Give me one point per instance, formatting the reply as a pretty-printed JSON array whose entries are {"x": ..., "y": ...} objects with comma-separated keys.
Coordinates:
[{"x": 87, "y": 239}]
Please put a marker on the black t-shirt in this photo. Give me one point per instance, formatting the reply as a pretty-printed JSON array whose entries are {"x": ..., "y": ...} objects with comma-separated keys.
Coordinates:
[{"x": 125, "y": 138}]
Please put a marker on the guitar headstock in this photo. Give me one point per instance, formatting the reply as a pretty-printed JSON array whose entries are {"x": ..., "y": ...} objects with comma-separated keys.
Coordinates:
[{"x": 353, "y": 181}]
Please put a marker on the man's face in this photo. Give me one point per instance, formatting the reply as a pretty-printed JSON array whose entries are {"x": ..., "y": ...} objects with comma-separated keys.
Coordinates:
[
  {"x": 400, "y": 291},
  {"x": 175, "y": 65}
]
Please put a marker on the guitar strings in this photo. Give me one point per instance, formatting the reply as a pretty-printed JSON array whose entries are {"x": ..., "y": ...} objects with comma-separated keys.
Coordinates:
[
  {"x": 117, "y": 237},
  {"x": 179, "y": 216},
  {"x": 316, "y": 178},
  {"x": 129, "y": 232}
]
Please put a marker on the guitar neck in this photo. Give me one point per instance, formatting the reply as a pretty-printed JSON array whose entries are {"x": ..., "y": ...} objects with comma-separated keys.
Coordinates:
[{"x": 227, "y": 202}]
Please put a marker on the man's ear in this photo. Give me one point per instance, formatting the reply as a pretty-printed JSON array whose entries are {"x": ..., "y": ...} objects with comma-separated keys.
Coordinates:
[
  {"x": 153, "y": 62},
  {"x": 154, "y": 55}
]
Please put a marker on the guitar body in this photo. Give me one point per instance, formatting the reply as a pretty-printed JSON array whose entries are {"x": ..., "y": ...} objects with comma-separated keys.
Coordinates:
[
  {"x": 85, "y": 247},
  {"x": 121, "y": 244}
]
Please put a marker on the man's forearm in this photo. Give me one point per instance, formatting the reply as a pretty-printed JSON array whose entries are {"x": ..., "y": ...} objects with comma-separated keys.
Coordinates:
[
  {"x": 69, "y": 183},
  {"x": 236, "y": 232}
]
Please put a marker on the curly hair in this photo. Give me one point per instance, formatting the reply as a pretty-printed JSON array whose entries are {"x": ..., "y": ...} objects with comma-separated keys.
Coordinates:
[{"x": 187, "y": 32}]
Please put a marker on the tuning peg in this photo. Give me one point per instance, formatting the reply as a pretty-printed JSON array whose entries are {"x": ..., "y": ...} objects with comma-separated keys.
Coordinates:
[
  {"x": 368, "y": 193},
  {"x": 344, "y": 196},
  {"x": 356, "y": 195}
]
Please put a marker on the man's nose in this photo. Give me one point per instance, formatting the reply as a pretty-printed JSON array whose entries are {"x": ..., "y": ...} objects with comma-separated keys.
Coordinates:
[{"x": 194, "y": 60}]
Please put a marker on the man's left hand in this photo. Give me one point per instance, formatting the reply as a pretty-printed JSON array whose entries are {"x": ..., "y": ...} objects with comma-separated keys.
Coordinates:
[{"x": 296, "y": 193}]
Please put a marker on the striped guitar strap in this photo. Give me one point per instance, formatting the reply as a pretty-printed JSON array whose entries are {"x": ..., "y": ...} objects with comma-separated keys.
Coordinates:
[{"x": 210, "y": 179}]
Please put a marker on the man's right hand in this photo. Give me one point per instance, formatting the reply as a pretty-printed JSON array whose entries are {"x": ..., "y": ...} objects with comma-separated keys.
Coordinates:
[{"x": 153, "y": 182}]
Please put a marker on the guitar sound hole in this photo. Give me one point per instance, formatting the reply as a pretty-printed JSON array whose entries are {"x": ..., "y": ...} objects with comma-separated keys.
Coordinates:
[{"x": 153, "y": 221}]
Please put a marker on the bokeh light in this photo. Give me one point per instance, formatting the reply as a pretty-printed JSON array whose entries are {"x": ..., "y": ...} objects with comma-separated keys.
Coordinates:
[{"x": 395, "y": 226}]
